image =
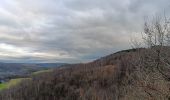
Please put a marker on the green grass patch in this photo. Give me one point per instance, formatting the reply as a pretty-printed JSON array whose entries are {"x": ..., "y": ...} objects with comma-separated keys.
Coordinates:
[
  {"x": 12, "y": 82},
  {"x": 3, "y": 86}
]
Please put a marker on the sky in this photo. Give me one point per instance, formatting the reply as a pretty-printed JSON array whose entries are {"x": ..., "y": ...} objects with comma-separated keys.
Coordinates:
[{"x": 72, "y": 31}]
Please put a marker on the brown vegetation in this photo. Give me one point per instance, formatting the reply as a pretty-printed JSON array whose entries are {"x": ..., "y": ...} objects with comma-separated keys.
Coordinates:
[{"x": 120, "y": 76}]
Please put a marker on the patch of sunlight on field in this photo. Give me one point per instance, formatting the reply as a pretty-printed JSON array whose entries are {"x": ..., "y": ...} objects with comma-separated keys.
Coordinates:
[
  {"x": 14, "y": 82},
  {"x": 42, "y": 71},
  {"x": 11, "y": 83}
]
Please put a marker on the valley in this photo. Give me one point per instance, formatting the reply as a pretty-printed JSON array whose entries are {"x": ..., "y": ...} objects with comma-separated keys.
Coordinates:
[{"x": 13, "y": 73}]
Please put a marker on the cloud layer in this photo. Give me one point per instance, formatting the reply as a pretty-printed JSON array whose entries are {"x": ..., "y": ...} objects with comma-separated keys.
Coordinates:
[{"x": 70, "y": 30}]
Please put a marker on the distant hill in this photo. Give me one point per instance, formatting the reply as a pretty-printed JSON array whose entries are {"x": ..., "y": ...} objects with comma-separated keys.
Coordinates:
[
  {"x": 50, "y": 65},
  {"x": 10, "y": 70}
]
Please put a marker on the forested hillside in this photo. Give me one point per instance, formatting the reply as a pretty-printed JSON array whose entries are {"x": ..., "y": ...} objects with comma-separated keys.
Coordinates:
[{"x": 126, "y": 75}]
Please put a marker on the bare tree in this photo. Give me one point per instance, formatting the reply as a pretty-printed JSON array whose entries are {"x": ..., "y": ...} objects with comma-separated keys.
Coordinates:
[
  {"x": 153, "y": 63},
  {"x": 156, "y": 36}
]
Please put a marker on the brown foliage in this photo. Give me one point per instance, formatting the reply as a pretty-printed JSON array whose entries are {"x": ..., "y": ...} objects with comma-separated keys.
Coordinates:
[{"x": 126, "y": 75}]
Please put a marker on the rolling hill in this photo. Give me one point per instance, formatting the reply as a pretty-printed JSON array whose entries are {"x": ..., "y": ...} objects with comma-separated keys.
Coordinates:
[
  {"x": 14, "y": 70},
  {"x": 126, "y": 75}
]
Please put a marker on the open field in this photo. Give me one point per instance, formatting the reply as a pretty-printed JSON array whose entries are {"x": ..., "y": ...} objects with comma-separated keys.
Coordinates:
[{"x": 11, "y": 83}]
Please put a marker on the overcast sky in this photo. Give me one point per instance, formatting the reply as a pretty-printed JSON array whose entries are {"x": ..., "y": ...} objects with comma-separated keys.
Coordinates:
[{"x": 70, "y": 30}]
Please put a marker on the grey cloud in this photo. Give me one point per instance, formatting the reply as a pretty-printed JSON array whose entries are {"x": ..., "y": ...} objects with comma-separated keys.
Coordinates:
[{"x": 72, "y": 30}]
